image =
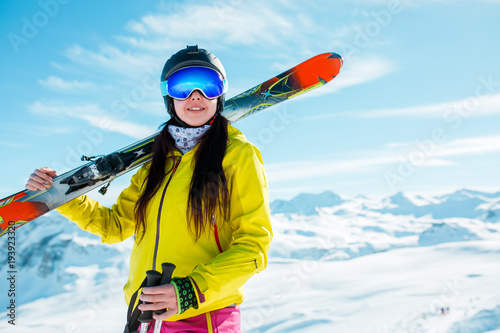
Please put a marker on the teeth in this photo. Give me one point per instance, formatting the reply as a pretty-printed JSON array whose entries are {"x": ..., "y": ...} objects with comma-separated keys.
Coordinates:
[{"x": 196, "y": 109}]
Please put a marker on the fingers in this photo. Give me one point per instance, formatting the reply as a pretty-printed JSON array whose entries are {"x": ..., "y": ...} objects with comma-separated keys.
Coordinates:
[
  {"x": 159, "y": 306},
  {"x": 37, "y": 183},
  {"x": 161, "y": 297},
  {"x": 45, "y": 173},
  {"x": 170, "y": 312},
  {"x": 153, "y": 306},
  {"x": 49, "y": 171},
  {"x": 155, "y": 298},
  {"x": 41, "y": 179},
  {"x": 162, "y": 294},
  {"x": 164, "y": 289}
]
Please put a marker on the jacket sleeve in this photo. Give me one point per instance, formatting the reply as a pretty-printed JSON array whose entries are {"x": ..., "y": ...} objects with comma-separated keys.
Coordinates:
[
  {"x": 112, "y": 225},
  {"x": 249, "y": 216}
]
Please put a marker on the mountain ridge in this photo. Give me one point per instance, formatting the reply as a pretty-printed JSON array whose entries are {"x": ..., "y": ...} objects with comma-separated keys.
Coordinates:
[{"x": 461, "y": 203}]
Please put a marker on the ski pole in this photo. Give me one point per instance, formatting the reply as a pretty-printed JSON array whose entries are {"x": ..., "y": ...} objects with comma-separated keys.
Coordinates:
[
  {"x": 167, "y": 270},
  {"x": 152, "y": 279}
]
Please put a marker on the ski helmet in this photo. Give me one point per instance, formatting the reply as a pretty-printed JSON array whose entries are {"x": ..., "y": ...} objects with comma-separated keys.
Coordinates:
[{"x": 191, "y": 56}]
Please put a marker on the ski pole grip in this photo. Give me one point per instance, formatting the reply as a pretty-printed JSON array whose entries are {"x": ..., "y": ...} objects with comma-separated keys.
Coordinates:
[
  {"x": 152, "y": 280},
  {"x": 167, "y": 270}
]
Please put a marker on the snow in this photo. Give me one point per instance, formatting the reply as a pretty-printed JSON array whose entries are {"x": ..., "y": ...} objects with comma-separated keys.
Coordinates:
[
  {"x": 482, "y": 321},
  {"x": 407, "y": 263},
  {"x": 395, "y": 291}
]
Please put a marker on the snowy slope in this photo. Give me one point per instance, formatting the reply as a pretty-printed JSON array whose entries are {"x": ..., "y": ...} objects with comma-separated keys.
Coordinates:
[
  {"x": 402, "y": 290},
  {"x": 54, "y": 256},
  {"x": 342, "y": 264}
]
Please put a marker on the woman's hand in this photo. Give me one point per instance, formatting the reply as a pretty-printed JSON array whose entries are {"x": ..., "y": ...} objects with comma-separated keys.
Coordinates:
[
  {"x": 41, "y": 179},
  {"x": 163, "y": 297}
]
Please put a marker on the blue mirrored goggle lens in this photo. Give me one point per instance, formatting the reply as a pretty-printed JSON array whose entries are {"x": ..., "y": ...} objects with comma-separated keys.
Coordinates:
[{"x": 183, "y": 82}]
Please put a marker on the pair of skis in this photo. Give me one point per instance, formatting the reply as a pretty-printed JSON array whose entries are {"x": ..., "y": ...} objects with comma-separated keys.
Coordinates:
[{"x": 25, "y": 206}]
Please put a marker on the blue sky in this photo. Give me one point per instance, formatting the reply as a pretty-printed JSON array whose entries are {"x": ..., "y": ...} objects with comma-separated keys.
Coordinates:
[{"x": 416, "y": 107}]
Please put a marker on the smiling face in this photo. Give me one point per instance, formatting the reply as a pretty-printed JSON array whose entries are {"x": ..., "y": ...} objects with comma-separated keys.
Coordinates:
[{"x": 196, "y": 110}]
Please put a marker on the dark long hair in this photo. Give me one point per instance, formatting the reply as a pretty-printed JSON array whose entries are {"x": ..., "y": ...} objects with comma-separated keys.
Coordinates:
[{"x": 208, "y": 190}]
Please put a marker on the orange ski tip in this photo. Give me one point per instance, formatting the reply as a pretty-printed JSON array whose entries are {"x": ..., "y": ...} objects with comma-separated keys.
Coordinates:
[
  {"x": 329, "y": 55},
  {"x": 334, "y": 55}
]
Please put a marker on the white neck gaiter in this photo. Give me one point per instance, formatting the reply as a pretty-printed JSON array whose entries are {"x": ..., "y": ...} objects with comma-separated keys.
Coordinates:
[{"x": 186, "y": 138}]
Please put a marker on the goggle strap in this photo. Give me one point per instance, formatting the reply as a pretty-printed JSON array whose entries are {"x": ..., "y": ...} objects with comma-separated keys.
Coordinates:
[{"x": 164, "y": 88}]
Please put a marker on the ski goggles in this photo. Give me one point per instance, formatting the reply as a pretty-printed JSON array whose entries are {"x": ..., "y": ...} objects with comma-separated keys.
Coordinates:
[{"x": 183, "y": 82}]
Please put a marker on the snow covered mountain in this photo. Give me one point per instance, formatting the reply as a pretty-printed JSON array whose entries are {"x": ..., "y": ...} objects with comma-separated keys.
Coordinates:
[
  {"x": 306, "y": 204},
  {"x": 353, "y": 227},
  {"x": 462, "y": 203},
  {"x": 54, "y": 256},
  {"x": 400, "y": 264}
]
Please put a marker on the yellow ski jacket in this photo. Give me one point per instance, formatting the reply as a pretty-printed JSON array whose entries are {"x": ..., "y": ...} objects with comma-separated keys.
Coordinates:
[{"x": 244, "y": 238}]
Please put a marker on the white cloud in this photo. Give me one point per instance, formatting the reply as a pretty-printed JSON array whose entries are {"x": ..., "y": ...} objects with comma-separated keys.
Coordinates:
[
  {"x": 434, "y": 156},
  {"x": 294, "y": 170},
  {"x": 40, "y": 129},
  {"x": 112, "y": 59},
  {"x": 360, "y": 71},
  {"x": 404, "y": 3},
  {"x": 95, "y": 116},
  {"x": 452, "y": 112},
  {"x": 12, "y": 144},
  {"x": 483, "y": 105},
  {"x": 58, "y": 84},
  {"x": 243, "y": 23},
  {"x": 470, "y": 146},
  {"x": 220, "y": 25}
]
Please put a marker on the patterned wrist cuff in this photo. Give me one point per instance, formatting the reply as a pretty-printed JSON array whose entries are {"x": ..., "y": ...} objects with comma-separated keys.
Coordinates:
[{"x": 186, "y": 297}]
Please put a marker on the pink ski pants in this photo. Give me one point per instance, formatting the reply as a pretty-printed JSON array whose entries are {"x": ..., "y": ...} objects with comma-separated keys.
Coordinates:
[{"x": 226, "y": 320}]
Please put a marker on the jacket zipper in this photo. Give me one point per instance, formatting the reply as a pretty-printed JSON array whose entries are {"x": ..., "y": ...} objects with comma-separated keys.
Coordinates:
[
  {"x": 158, "y": 220},
  {"x": 216, "y": 234}
]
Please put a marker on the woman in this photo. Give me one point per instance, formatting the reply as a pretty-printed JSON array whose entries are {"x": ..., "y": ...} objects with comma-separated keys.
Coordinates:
[{"x": 201, "y": 204}]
